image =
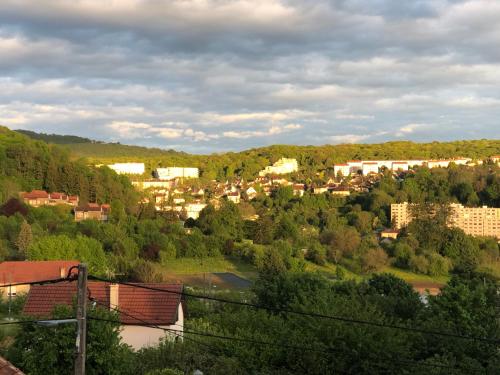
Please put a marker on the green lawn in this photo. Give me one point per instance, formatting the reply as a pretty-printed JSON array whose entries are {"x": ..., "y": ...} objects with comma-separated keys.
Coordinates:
[
  {"x": 222, "y": 264},
  {"x": 412, "y": 277}
]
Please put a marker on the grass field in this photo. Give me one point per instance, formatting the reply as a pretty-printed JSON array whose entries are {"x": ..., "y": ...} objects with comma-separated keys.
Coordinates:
[
  {"x": 197, "y": 272},
  {"x": 196, "y": 266}
]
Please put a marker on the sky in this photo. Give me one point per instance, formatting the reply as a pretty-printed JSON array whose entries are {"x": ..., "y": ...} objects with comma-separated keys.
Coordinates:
[{"x": 208, "y": 76}]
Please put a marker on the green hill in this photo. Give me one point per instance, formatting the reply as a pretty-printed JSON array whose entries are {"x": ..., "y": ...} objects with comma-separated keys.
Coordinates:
[{"x": 247, "y": 163}]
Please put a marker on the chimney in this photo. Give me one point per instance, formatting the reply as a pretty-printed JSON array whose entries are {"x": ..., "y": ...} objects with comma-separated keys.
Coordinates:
[
  {"x": 113, "y": 296},
  {"x": 62, "y": 272}
]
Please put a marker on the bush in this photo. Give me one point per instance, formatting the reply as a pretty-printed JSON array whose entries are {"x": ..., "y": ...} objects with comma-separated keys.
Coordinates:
[{"x": 419, "y": 263}]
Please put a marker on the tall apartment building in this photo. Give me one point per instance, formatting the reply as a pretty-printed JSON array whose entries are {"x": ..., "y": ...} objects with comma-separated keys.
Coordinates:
[
  {"x": 282, "y": 166},
  {"x": 475, "y": 221},
  {"x": 170, "y": 173}
]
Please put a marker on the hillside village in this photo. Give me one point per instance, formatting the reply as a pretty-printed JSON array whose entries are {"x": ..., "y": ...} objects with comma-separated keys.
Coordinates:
[{"x": 151, "y": 239}]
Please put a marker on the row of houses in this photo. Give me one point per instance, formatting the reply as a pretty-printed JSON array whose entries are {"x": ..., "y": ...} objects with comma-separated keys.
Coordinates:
[
  {"x": 136, "y": 305},
  {"x": 367, "y": 167},
  {"x": 89, "y": 211}
]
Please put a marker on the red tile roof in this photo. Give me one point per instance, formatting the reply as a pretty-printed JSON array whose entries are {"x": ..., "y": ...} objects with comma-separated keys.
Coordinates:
[
  {"x": 152, "y": 306},
  {"x": 7, "y": 368},
  {"x": 36, "y": 194},
  {"x": 26, "y": 271},
  {"x": 58, "y": 196}
]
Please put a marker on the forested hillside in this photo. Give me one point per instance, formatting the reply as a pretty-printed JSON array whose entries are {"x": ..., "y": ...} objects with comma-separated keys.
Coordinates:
[
  {"x": 311, "y": 158},
  {"x": 27, "y": 164}
]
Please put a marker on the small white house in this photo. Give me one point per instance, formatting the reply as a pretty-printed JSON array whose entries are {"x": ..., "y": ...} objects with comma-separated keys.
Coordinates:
[{"x": 138, "y": 308}]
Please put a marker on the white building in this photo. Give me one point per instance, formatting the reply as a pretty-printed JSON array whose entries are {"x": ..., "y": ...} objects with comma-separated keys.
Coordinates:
[
  {"x": 370, "y": 167},
  {"x": 399, "y": 166},
  {"x": 170, "y": 173},
  {"x": 282, "y": 166},
  {"x": 344, "y": 169},
  {"x": 193, "y": 210},
  {"x": 128, "y": 168}
]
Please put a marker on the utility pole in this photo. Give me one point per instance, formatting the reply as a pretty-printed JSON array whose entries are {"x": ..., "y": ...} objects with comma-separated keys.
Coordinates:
[{"x": 81, "y": 318}]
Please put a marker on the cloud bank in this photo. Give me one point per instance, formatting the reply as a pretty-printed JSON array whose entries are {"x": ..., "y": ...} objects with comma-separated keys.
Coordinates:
[{"x": 216, "y": 75}]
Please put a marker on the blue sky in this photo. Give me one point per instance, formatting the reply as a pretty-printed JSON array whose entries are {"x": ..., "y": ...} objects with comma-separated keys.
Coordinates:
[{"x": 216, "y": 75}]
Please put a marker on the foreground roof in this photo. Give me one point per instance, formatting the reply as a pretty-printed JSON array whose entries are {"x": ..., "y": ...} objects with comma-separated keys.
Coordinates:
[
  {"x": 154, "y": 307},
  {"x": 28, "y": 271},
  {"x": 7, "y": 368}
]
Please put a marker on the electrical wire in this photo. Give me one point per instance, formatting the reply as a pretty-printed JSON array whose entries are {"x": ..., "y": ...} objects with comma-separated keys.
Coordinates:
[
  {"x": 266, "y": 343},
  {"x": 308, "y": 314}
]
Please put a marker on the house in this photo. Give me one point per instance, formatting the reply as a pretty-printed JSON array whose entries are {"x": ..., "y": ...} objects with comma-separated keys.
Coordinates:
[
  {"x": 92, "y": 211},
  {"x": 251, "y": 193},
  {"x": 18, "y": 272},
  {"x": 298, "y": 189},
  {"x": 339, "y": 190},
  {"x": 137, "y": 307},
  {"x": 234, "y": 197},
  {"x": 128, "y": 168},
  {"x": 438, "y": 163},
  {"x": 37, "y": 198},
  {"x": 389, "y": 233},
  {"x": 320, "y": 189}
]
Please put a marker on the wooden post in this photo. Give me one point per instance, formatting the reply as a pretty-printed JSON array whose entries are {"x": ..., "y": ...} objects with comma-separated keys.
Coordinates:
[{"x": 81, "y": 318}]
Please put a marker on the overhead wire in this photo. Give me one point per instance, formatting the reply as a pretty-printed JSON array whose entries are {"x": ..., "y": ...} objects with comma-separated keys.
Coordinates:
[
  {"x": 495, "y": 341},
  {"x": 266, "y": 343}
]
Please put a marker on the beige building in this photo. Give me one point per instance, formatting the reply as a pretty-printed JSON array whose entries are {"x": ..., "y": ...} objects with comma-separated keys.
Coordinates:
[
  {"x": 37, "y": 198},
  {"x": 282, "y": 166},
  {"x": 92, "y": 211},
  {"x": 475, "y": 221}
]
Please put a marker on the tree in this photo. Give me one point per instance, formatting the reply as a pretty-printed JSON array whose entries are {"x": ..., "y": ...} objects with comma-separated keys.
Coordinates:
[
  {"x": 341, "y": 242},
  {"x": 24, "y": 239},
  {"x": 40, "y": 350}
]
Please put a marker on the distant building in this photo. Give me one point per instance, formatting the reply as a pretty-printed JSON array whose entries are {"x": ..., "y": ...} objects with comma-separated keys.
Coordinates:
[
  {"x": 92, "y": 211},
  {"x": 37, "y": 198},
  {"x": 136, "y": 305},
  {"x": 193, "y": 210},
  {"x": 369, "y": 167},
  {"x": 128, "y": 168},
  {"x": 154, "y": 184},
  {"x": 251, "y": 193},
  {"x": 339, "y": 190},
  {"x": 399, "y": 166},
  {"x": 343, "y": 169},
  {"x": 298, "y": 189},
  {"x": 234, "y": 197},
  {"x": 389, "y": 233},
  {"x": 170, "y": 173},
  {"x": 19, "y": 272},
  {"x": 475, "y": 221},
  {"x": 282, "y": 166}
]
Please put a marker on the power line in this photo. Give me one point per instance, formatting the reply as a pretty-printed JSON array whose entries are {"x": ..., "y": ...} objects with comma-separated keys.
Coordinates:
[
  {"x": 39, "y": 282},
  {"x": 259, "y": 342},
  {"x": 309, "y": 314},
  {"x": 34, "y": 321}
]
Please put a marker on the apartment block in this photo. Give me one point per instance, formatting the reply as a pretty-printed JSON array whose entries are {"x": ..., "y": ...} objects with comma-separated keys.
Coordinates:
[
  {"x": 128, "y": 168},
  {"x": 170, "y": 173},
  {"x": 475, "y": 221}
]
